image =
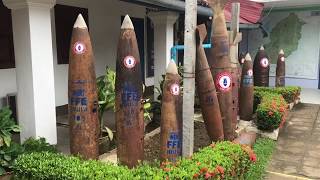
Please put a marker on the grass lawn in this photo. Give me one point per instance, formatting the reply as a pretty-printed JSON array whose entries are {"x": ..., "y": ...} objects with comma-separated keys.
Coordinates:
[{"x": 263, "y": 149}]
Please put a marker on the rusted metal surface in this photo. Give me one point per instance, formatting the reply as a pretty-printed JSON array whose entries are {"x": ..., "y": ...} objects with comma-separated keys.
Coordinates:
[
  {"x": 219, "y": 61},
  {"x": 261, "y": 68},
  {"x": 83, "y": 99},
  {"x": 248, "y": 139},
  {"x": 129, "y": 110},
  {"x": 207, "y": 91},
  {"x": 281, "y": 70},
  {"x": 246, "y": 90},
  {"x": 234, "y": 39},
  {"x": 235, "y": 95},
  {"x": 171, "y": 116}
]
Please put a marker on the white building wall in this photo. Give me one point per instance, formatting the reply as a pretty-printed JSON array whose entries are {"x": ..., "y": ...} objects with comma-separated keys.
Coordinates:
[
  {"x": 302, "y": 66},
  {"x": 104, "y": 23}
]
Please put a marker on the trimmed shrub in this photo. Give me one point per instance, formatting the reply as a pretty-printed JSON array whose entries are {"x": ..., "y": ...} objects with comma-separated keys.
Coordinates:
[
  {"x": 224, "y": 160},
  {"x": 289, "y": 93},
  {"x": 271, "y": 112},
  {"x": 37, "y": 145}
]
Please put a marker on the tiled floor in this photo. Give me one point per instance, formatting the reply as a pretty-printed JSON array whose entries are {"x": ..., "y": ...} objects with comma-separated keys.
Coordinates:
[{"x": 298, "y": 148}]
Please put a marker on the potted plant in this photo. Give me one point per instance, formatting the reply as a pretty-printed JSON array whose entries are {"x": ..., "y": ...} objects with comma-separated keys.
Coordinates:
[
  {"x": 9, "y": 150},
  {"x": 106, "y": 99}
]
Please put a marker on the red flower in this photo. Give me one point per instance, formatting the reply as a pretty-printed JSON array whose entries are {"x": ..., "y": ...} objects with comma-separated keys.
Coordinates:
[
  {"x": 166, "y": 169},
  {"x": 220, "y": 169},
  {"x": 195, "y": 176},
  {"x": 270, "y": 113},
  {"x": 253, "y": 157},
  {"x": 207, "y": 175},
  {"x": 213, "y": 145},
  {"x": 204, "y": 169}
]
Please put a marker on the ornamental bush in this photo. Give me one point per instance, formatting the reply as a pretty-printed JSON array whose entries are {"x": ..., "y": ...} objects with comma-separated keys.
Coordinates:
[
  {"x": 271, "y": 112},
  {"x": 289, "y": 93},
  {"x": 224, "y": 160}
]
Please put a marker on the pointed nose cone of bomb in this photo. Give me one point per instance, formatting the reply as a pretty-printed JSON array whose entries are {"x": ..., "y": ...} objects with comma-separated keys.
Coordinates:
[
  {"x": 248, "y": 57},
  {"x": 281, "y": 51},
  {"x": 80, "y": 23},
  {"x": 261, "y": 48},
  {"x": 172, "y": 68},
  {"x": 127, "y": 23}
]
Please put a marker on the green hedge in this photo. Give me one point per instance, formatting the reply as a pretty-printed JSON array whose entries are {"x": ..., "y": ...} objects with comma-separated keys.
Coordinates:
[
  {"x": 224, "y": 160},
  {"x": 271, "y": 110},
  {"x": 289, "y": 93}
]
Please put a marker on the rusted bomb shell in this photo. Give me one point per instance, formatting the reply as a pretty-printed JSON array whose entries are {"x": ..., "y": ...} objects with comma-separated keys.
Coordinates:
[
  {"x": 235, "y": 95},
  {"x": 206, "y": 90},
  {"x": 246, "y": 90},
  {"x": 281, "y": 70},
  {"x": 219, "y": 61},
  {"x": 241, "y": 58},
  {"x": 82, "y": 93},
  {"x": 246, "y": 139},
  {"x": 171, "y": 116},
  {"x": 261, "y": 68},
  {"x": 234, "y": 39},
  {"x": 129, "y": 110}
]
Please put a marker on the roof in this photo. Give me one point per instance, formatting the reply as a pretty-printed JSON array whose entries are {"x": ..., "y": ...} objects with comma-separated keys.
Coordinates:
[{"x": 250, "y": 12}]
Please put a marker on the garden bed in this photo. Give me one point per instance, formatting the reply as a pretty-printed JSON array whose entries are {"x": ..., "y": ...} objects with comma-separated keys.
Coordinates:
[{"x": 152, "y": 145}]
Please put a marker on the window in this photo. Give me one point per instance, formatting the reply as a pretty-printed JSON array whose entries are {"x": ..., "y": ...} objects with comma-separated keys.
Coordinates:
[
  {"x": 65, "y": 17},
  {"x": 6, "y": 39}
]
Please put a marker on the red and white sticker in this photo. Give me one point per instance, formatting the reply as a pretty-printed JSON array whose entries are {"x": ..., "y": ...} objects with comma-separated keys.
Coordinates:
[
  {"x": 282, "y": 59},
  {"x": 250, "y": 72},
  {"x": 242, "y": 60},
  {"x": 264, "y": 62},
  {"x": 129, "y": 62},
  {"x": 224, "y": 81},
  {"x": 175, "y": 89},
  {"x": 79, "y": 48}
]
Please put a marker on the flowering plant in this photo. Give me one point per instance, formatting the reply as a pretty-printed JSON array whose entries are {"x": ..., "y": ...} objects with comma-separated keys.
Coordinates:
[{"x": 271, "y": 112}]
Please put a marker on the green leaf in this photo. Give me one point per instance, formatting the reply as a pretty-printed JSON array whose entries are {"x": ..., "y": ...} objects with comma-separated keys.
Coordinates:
[
  {"x": 7, "y": 157},
  {"x": 2, "y": 171},
  {"x": 109, "y": 132},
  {"x": 7, "y": 140}
]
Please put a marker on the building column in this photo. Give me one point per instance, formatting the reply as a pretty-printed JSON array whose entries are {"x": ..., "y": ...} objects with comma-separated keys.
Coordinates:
[
  {"x": 163, "y": 42},
  {"x": 32, "y": 35}
]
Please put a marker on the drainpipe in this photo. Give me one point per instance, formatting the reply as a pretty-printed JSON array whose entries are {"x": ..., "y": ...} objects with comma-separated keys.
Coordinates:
[{"x": 176, "y": 48}]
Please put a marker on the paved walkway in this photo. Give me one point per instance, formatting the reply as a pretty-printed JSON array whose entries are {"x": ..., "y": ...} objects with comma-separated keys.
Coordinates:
[{"x": 297, "y": 155}]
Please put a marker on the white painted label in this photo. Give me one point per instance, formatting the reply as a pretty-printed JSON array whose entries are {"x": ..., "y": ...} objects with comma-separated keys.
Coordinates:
[
  {"x": 282, "y": 59},
  {"x": 250, "y": 72},
  {"x": 264, "y": 62},
  {"x": 224, "y": 81},
  {"x": 79, "y": 48},
  {"x": 129, "y": 62},
  {"x": 175, "y": 89}
]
